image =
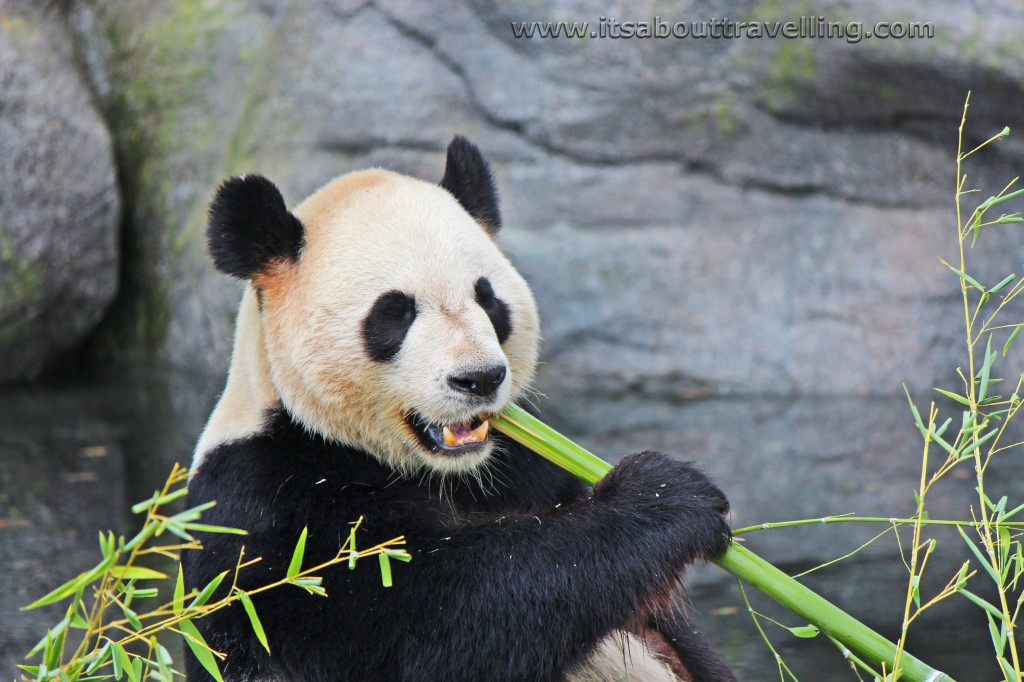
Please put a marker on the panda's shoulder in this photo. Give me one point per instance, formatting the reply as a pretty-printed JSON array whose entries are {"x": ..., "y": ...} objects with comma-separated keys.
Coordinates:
[{"x": 282, "y": 453}]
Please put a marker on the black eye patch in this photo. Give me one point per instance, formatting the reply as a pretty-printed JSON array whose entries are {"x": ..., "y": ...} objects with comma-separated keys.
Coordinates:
[
  {"x": 495, "y": 308},
  {"x": 386, "y": 325}
]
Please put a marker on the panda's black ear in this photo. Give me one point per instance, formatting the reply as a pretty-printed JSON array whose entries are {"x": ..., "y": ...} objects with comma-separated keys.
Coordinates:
[
  {"x": 468, "y": 177},
  {"x": 250, "y": 227}
]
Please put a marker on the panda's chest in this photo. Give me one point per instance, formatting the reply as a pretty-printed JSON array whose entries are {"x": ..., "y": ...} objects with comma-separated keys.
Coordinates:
[{"x": 344, "y": 487}]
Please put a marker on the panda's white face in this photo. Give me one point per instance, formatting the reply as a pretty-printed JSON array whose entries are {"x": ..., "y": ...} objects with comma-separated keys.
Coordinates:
[{"x": 401, "y": 327}]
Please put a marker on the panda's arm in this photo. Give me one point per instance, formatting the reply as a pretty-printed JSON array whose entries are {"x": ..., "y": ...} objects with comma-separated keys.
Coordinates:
[{"x": 529, "y": 597}]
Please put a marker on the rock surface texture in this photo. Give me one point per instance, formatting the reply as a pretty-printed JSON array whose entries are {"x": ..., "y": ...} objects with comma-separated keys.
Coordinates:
[
  {"x": 59, "y": 201},
  {"x": 698, "y": 217}
]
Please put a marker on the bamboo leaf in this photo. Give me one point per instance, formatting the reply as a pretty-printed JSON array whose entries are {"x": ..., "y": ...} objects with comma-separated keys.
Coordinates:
[
  {"x": 1004, "y": 550},
  {"x": 385, "y": 569},
  {"x": 120, "y": 659},
  {"x": 959, "y": 398},
  {"x": 974, "y": 445},
  {"x": 136, "y": 573},
  {"x": 984, "y": 604},
  {"x": 257, "y": 626},
  {"x": 916, "y": 415},
  {"x": 105, "y": 548},
  {"x": 200, "y": 648},
  {"x": 1002, "y": 283},
  {"x": 163, "y": 659},
  {"x": 805, "y": 631},
  {"x": 942, "y": 429},
  {"x": 147, "y": 530},
  {"x": 964, "y": 276},
  {"x": 981, "y": 558},
  {"x": 295, "y": 567},
  {"x": 97, "y": 659},
  {"x": 177, "y": 529},
  {"x": 986, "y": 369},
  {"x": 1012, "y": 512},
  {"x": 208, "y": 591},
  {"x": 43, "y": 645},
  {"x": 179, "y": 591},
  {"x": 997, "y": 633},
  {"x": 146, "y": 593},
  {"x": 132, "y": 617},
  {"x": 1008, "y": 670},
  {"x": 945, "y": 446},
  {"x": 78, "y": 621},
  {"x": 992, "y": 201},
  {"x": 158, "y": 500},
  {"x": 206, "y": 528},
  {"x": 56, "y": 650},
  {"x": 352, "y": 553},
  {"x": 71, "y": 586},
  {"x": 194, "y": 513},
  {"x": 1013, "y": 335}
]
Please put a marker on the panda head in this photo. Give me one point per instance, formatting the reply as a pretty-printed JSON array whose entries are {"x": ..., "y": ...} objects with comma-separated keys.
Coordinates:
[{"x": 390, "y": 318}]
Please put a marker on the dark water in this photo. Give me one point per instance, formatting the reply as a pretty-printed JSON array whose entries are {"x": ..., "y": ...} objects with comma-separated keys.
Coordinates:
[{"x": 76, "y": 452}]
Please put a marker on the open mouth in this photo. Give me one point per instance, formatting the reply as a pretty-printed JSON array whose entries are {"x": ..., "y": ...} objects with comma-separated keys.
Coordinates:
[{"x": 450, "y": 439}]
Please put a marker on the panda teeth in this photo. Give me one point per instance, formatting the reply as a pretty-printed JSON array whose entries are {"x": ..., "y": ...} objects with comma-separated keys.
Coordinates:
[
  {"x": 477, "y": 435},
  {"x": 480, "y": 432}
]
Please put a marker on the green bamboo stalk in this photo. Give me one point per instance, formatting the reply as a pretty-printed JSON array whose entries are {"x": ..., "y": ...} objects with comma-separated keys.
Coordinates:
[{"x": 522, "y": 427}]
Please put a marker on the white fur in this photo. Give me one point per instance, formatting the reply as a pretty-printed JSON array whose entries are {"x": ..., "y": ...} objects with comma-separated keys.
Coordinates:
[
  {"x": 623, "y": 657},
  {"x": 368, "y": 233}
]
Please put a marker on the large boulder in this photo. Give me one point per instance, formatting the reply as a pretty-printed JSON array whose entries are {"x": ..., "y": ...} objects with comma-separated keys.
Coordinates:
[{"x": 59, "y": 200}]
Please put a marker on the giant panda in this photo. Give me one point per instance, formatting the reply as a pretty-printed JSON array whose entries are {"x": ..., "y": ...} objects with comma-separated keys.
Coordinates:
[{"x": 380, "y": 328}]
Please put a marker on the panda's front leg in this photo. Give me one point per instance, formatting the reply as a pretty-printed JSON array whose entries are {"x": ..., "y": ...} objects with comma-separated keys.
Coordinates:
[{"x": 530, "y": 597}]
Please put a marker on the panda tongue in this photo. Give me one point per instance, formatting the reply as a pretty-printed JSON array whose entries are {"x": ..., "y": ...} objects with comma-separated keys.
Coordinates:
[
  {"x": 460, "y": 430},
  {"x": 460, "y": 434}
]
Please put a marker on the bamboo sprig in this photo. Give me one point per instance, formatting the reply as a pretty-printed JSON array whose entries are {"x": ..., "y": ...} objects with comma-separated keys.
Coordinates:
[
  {"x": 844, "y": 518},
  {"x": 526, "y": 429},
  {"x": 103, "y": 652},
  {"x": 1002, "y": 558}
]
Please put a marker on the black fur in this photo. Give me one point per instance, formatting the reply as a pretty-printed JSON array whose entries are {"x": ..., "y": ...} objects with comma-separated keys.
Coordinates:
[
  {"x": 516, "y": 576},
  {"x": 468, "y": 177},
  {"x": 696, "y": 653},
  {"x": 501, "y": 318},
  {"x": 386, "y": 325},
  {"x": 250, "y": 226}
]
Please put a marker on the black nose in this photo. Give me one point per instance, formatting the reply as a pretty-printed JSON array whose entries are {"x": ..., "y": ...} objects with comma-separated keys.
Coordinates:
[{"x": 482, "y": 383}]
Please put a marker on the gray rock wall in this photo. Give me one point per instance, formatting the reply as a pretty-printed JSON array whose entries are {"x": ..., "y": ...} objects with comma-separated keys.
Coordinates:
[
  {"x": 59, "y": 201},
  {"x": 698, "y": 217}
]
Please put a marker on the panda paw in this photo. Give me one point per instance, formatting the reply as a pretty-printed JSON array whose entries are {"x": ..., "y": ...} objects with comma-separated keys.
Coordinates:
[{"x": 667, "y": 495}]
